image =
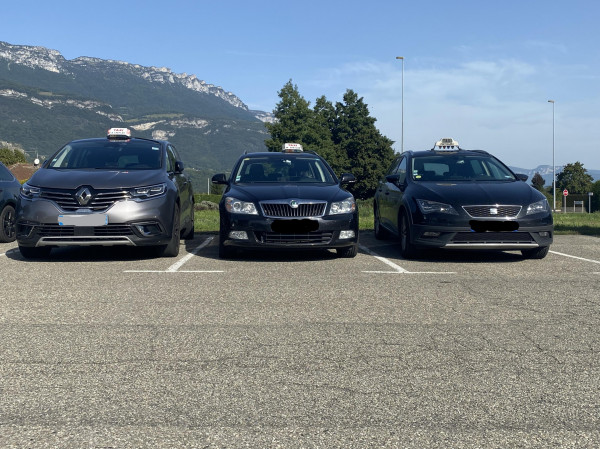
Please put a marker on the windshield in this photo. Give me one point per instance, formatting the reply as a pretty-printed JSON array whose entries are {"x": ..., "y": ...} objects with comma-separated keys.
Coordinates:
[
  {"x": 283, "y": 169},
  {"x": 107, "y": 154},
  {"x": 459, "y": 167}
]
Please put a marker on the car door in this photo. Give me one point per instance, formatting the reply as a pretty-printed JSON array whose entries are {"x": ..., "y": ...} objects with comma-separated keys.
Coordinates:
[
  {"x": 181, "y": 180},
  {"x": 394, "y": 194}
]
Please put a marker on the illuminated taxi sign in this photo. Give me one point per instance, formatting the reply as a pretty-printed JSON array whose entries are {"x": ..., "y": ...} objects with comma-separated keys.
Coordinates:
[
  {"x": 447, "y": 144},
  {"x": 119, "y": 133},
  {"x": 292, "y": 148}
]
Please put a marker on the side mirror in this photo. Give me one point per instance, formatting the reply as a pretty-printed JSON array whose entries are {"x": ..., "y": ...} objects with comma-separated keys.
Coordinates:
[
  {"x": 347, "y": 178},
  {"x": 522, "y": 177},
  {"x": 219, "y": 178},
  {"x": 178, "y": 167}
]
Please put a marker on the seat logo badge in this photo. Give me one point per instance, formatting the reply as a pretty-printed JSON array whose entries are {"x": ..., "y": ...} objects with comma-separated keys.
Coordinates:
[
  {"x": 493, "y": 211},
  {"x": 294, "y": 204},
  {"x": 83, "y": 196}
]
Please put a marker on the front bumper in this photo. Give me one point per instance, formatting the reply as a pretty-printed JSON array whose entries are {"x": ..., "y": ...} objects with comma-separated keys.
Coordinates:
[
  {"x": 272, "y": 233},
  {"x": 130, "y": 223}
]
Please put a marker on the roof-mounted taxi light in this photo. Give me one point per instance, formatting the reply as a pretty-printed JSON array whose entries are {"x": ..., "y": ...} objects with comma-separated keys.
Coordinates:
[
  {"x": 446, "y": 144},
  {"x": 119, "y": 133},
  {"x": 292, "y": 148}
]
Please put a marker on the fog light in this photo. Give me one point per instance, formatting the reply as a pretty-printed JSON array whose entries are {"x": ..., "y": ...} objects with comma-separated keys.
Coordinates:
[
  {"x": 238, "y": 235},
  {"x": 148, "y": 230},
  {"x": 347, "y": 235},
  {"x": 544, "y": 234},
  {"x": 431, "y": 234}
]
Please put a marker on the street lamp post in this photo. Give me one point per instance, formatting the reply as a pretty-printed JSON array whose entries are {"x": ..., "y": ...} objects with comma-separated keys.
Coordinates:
[
  {"x": 553, "y": 163},
  {"x": 402, "y": 131}
]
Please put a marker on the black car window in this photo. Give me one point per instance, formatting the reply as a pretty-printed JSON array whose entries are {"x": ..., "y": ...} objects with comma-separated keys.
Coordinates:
[
  {"x": 394, "y": 167},
  {"x": 282, "y": 169},
  {"x": 106, "y": 154},
  {"x": 171, "y": 158},
  {"x": 5, "y": 174},
  {"x": 459, "y": 167},
  {"x": 401, "y": 171}
]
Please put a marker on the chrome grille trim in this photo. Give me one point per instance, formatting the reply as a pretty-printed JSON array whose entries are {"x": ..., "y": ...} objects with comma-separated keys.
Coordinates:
[
  {"x": 101, "y": 199},
  {"x": 283, "y": 209},
  {"x": 484, "y": 211}
]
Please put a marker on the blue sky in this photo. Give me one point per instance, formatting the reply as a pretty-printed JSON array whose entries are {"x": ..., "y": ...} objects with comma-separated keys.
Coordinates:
[{"x": 480, "y": 72}]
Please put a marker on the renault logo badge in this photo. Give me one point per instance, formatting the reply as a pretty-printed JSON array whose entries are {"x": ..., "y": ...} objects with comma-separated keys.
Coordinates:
[{"x": 83, "y": 196}]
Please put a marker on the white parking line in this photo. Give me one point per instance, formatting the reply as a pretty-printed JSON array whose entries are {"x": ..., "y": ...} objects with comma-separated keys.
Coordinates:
[
  {"x": 575, "y": 257},
  {"x": 177, "y": 265},
  {"x": 398, "y": 269}
]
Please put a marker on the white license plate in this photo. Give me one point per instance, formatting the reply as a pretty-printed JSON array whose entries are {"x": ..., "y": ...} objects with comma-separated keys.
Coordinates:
[{"x": 83, "y": 220}]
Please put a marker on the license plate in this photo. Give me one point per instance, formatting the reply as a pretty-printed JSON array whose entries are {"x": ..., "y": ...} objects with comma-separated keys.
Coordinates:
[{"x": 83, "y": 220}]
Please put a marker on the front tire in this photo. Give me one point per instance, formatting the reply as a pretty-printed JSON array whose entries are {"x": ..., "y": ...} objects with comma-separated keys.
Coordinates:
[
  {"x": 348, "y": 251},
  {"x": 171, "y": 249},
  {"x": 8, "y": 229},
  {"x": 535, "y": 253},
  {"x": 380, "y": 231},
  {"x": 407, "y": 249}
]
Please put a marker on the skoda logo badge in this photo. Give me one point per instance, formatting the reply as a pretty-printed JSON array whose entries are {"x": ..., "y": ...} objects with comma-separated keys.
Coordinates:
[
  {"x": 83, "y": 196},
  {"x": 294, "y": 204}
]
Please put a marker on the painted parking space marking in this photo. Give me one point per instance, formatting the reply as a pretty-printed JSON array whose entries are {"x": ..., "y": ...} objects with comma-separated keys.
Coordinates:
[
  {"x": 397, "y": 268},
  {"x": 175, "y": 268},
  {"x": 575, "y": 257}
]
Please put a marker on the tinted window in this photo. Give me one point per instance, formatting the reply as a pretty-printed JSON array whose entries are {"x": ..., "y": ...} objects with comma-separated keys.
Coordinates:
[
  {"x": 120, "y": 155},
  {"x": 5, "y": 174},
  {"x": 267, "y": 169}
]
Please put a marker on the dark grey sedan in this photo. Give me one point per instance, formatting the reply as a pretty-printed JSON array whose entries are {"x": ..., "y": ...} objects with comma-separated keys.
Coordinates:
[
  {"x": 9, "y": 194},
  {"x": 109, "y": 191}
]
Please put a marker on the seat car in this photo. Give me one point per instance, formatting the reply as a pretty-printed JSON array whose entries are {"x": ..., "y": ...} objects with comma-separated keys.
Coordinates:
[
  {"x": 117, "y": 190},
  {"x": 453, "y": 198},
  {"x": 9, "y": 195},
  {"x": 288, "y": 200}
]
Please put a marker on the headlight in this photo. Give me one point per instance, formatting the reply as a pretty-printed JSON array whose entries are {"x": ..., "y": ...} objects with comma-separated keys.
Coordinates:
[
  {"x": 143, "y": 193},
  {"x": 540, "y": 206},
  {"x": 430, "y": 207},
  {"x": 235, "y": 206},
  {"x": 343, "y": 207},
  {"x": 29, "y": 192}
]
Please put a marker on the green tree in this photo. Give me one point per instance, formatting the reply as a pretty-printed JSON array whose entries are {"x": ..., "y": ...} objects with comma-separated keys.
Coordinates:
[
  {"x": 574, "y": 178},
  {"x": 368, "y": 152},
  {"x": 538, "y": 182},
  {"x": 11, "y": 157}
]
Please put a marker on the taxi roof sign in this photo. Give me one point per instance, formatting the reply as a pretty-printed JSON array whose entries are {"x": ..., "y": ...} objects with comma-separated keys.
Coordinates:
[
  {"x": 119, "y": 133},
  {"x": 292, "y": 148},
  {"x": 446, "y": 143}
]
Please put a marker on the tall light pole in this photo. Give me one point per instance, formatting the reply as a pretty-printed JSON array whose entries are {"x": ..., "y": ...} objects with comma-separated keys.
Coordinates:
[
  {"x": 402, "y": 131},
  {"x": 553, "y": 163}
]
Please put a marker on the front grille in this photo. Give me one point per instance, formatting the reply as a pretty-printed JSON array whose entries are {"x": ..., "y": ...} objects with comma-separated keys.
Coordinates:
[
  {"x": 101, "y": 199},
  {"x": 492, "y": 210},
  {"x": 492, "y": 237},
  {"x": 92, "y": 231},
  {"x": 308, "y": 238},
  {"x": 285, "y": 210}
]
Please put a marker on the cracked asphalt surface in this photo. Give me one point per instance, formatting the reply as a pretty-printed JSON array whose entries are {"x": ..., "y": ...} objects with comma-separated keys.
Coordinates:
[{"x": 109, "y": 348}]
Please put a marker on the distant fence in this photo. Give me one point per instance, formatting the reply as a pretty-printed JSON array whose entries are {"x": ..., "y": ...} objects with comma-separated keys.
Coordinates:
[{"x": 575, "y": 202}]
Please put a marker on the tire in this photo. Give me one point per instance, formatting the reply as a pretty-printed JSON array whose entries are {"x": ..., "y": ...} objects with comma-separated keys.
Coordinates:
[
  {"x": 380, "y": 232},
  {"x": 8, "y": 229},
  {"x": 407, "y": 249},
  {"x": 171, "y": 249},
  {"x": 35, "y": 252},
  {"x": 535, "y": 253},
  {"x": 189, "y": 234},
  {"x": 348, "y": 251},
  {"x": 225, "y": 252}
]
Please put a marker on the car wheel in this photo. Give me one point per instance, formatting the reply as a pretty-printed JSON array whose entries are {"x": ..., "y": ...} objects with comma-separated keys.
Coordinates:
[
  {"x": 535, "y": 253},
  {"x": 380, "y": 231},
  {"x": 35, "y": 252},
  {"x": 189, "y": 234},
  {"x": 348, "y": 252},
  {"x": 7, "y": 224},
  {"x": 407, "y": 249},
  {"x": 172, "y": 248}
]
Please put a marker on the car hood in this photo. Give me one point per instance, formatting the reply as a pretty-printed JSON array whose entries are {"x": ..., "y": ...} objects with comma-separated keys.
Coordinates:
[
  {"x": 97, "y": 179},
  {"x": 512, "y": 192},
  {"x": 263, "y": 192}
]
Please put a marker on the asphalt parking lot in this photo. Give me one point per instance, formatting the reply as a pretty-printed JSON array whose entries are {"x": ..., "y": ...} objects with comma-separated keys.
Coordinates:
[{"x": 110, "y": 348}]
